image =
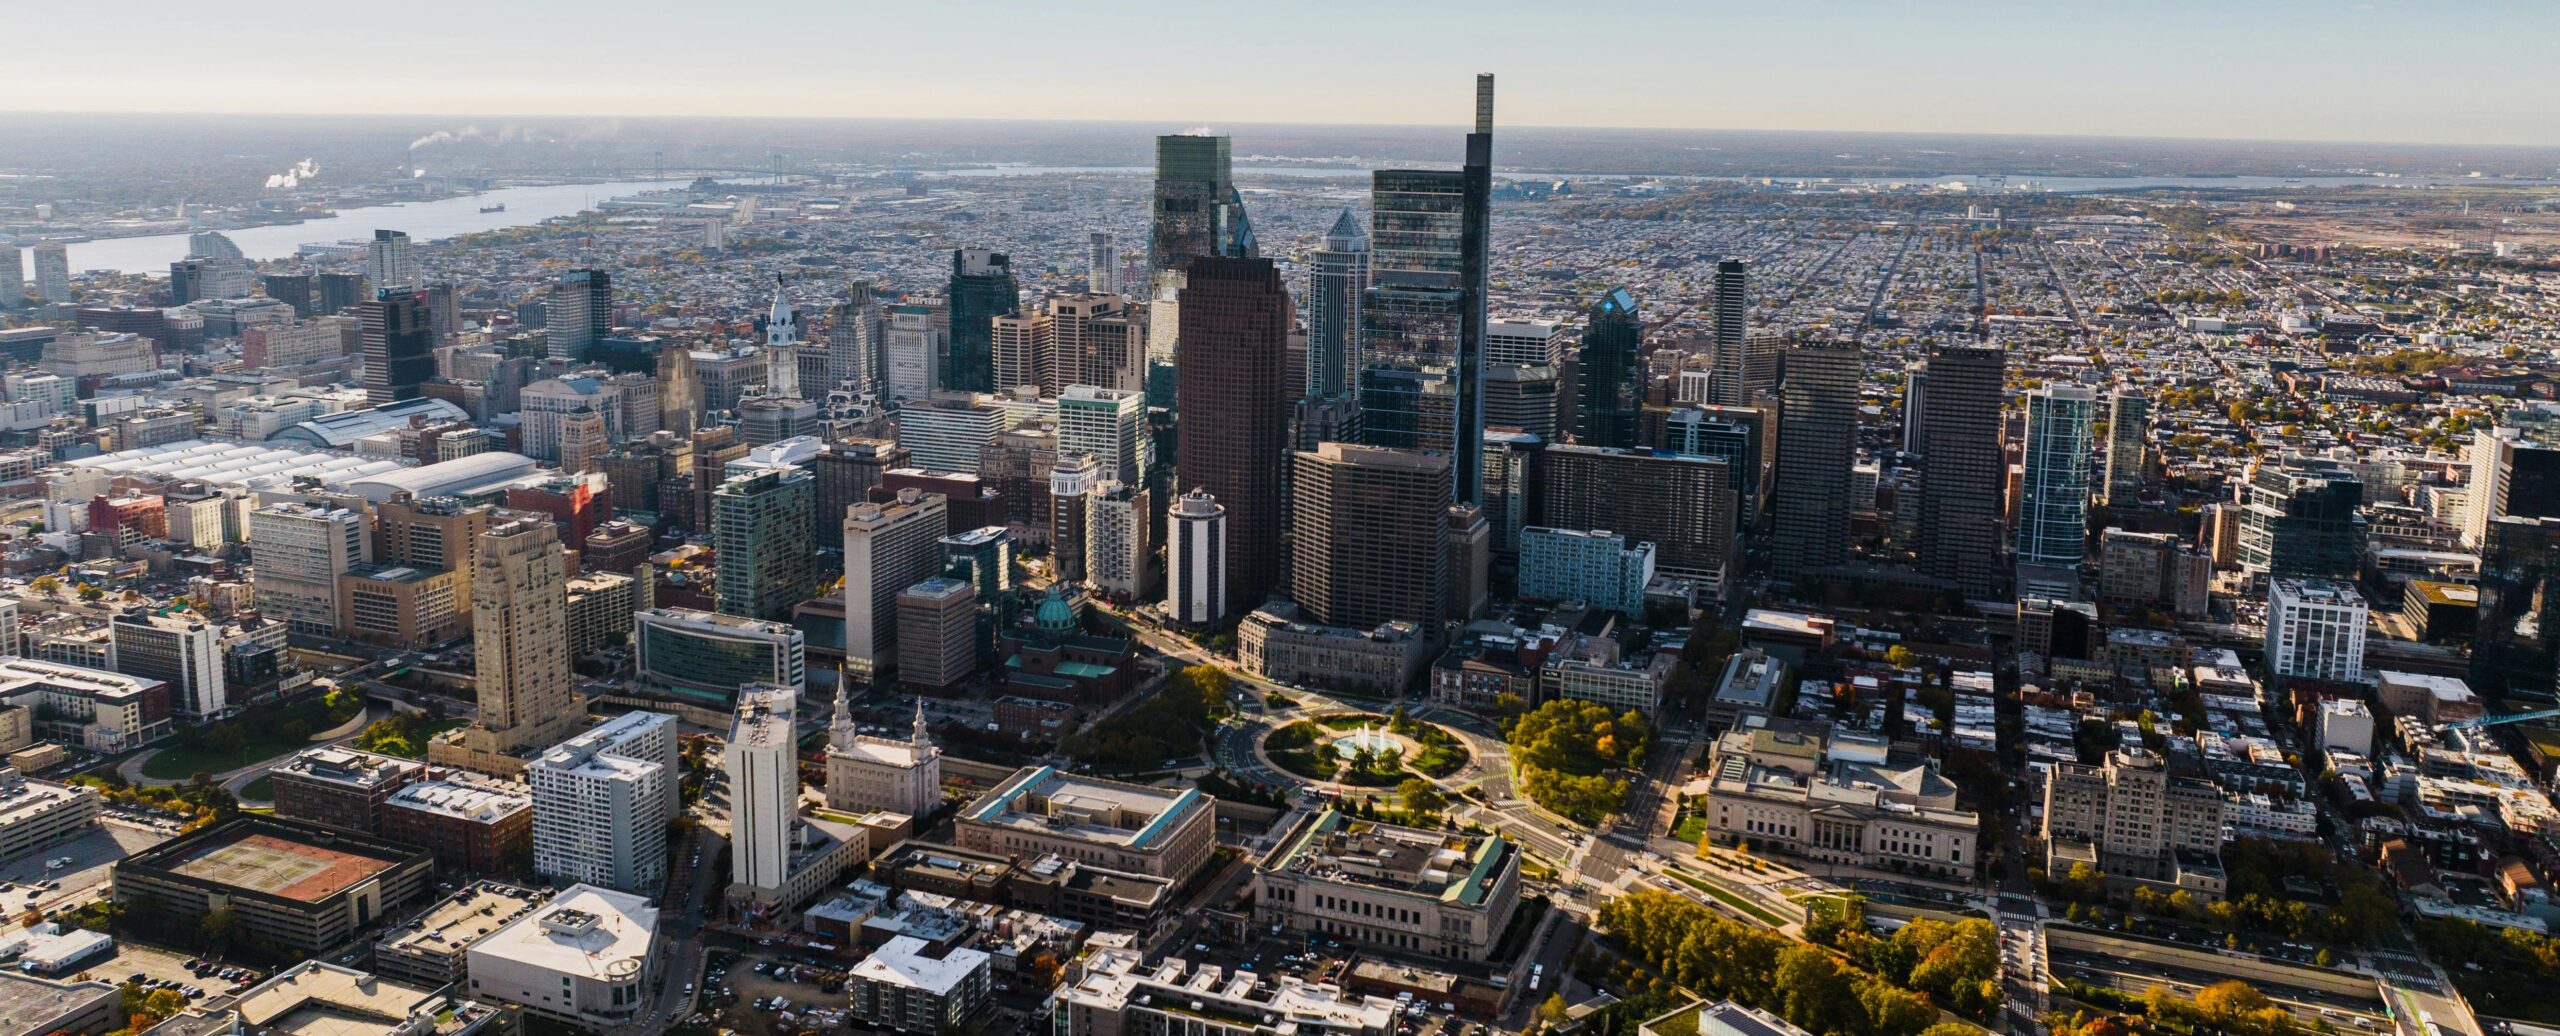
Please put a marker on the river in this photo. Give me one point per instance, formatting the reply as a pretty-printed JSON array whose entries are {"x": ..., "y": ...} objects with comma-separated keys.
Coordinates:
[{"x": 423, "y": 220}]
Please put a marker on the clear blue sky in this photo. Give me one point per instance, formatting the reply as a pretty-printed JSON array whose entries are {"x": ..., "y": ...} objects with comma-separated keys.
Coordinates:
[{"x": 2371, "y": 70}]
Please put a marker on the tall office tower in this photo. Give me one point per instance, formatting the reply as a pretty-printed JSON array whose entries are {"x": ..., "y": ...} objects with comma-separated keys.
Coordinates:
[
  {"x": 1071, "y": 485},
  {"x": 292, "y": 289},
  {"x": 436, "y": 533},
  {"x": 444, "y": 311},
  {"x": 982, "y": 289},
  {"x": 1408, "y": 355},
  {"x": 1108, "y": 425},
  {"x": 1915, "y": 406},
  {"x": 1475, "y": 278},
  {"x": 340, "y": 292},
  {"x": 679, "y": 390},
  {"x": 2515, "y": 645},
  {"x": 1095, "y": 341},
  {"x": 1470, "y": 562},
  {"x": 13, "y": 279},
  {"x": 2128, "y": 429},
  {"x": 1022, "y": 348},
  {"x": 388, "y": 264},
  {"x": 854, "y": 338},
  {"x": 1817, "y": 443},
  {"x": 1233, "y": 366},
  {"x": 1117, "y": 519},
  {"x": 578, "y": 311},
  {"x": 520, "y": 637},
  {"x": 53, "y": 272},
  {"x": 2316, "y": 630},
  {"x": 1102, "y": 264},
  {"x": 1195, "y": 559},
  {"x": 764, "y": 785},
  {"x": 1526, "y": 398},
  {"x": 1963, "y": 474},
  {"x": 1731, "y": 312},
  {"x": 1612, "y": 373},
  {"x": 2515, "y": 470},
  {"x": 1370, "y": 532},
  {"x": 601, "y": 802},
  {"x": 887, "y": 548},
  {"x": 2053, "y": 497},
  {"x": 399, "y": 348},
  {"x": 1196, "y": 211},
  {"x": 1337, "y": 278},
  {"x": 302, "y": 549},
  {"x": 1684, "y": 505},
  {"x": 2302, "y": 517},
  {"x": 761, "y": 538},
  {"x": 911, "y": 350}
]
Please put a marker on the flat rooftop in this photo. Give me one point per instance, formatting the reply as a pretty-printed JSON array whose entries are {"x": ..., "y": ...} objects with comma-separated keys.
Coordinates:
[
  {"x": 260, "y": 861},
  {"x": 902, "y": 962},
  {"x": 318, "y": 999},
  {"x": 462, "y": 919},
  {"x": 1432, "y": 864},
  {"x": 583, "y": 931},
  {"x": 28, "y": 1003},
  {"x": 1045, "y": 797}
]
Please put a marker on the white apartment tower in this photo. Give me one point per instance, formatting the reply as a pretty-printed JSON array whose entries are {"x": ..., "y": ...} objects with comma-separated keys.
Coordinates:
[
  {"x": 764, "y": 785},
  {"x": 601, "y": 802},
  {"x": 1195, "y": 559}
]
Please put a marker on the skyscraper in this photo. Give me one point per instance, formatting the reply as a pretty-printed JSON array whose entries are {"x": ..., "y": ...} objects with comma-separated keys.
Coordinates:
[
  {"x": 2302, "y": 518},
  {"x": 1370, "y": 530},
  {"x": 982, "y": 289},
  {"x": 53, "y": 271},
  {"x": 399, "y": 347},
  {"x": 1612, "y": 375},
  {"x": 854, "y": 338},
  {"x": 1095, "y": 341},
  {"x": 13, "y": 281},
  {"x": 887, "y": 548},
  {"x": 1102, "y": 264},
  {"x": 1475, "y": 278},
  {"x": 1233, "y": 368},
  {"x": 2053, "y": 500},
  {"x": 1071, "y": 484},
  {"x": 1964, "y": 471},
  {"x": 2515, "y": 470},
  {"x": 1684, "y": 505},
  {"x": 1116, "y": 522},
  {"x": 520, "y": 637},
  {"x": 2516, "y": 643},
  {"x": 2128, "y": 429},
  {"x": 1337, "y": 277},
  {"x": 388, "y": 263},
  {"x": 1817, "y": 443},
  {"x": 1196, "y": 212},
  {"x": 764, "y": 785},
  {"x": 341, "y": 290},
  {"x": 578, "y": 311},
  {"x": 292, "y": 289},
  {"x": 1110, "y": 426},
  {"x": 1195, "y": 559},
  {"x": 1731, "y": 311},
  {"x": 761, "y": 539}
]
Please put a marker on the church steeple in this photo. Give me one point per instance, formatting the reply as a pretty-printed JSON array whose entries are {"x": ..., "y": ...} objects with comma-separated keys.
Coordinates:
[
  {"x": 840, "y": 730},
  {"x": 923, "y": 737}
]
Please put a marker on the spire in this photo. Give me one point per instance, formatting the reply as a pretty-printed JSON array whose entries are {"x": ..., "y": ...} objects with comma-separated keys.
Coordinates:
[
  {"x": 781, "y": 327},
  {"x": 1346, "y": 235},
  {"x": 923, "y": 738},
  {"x": 840, "y": 730}
]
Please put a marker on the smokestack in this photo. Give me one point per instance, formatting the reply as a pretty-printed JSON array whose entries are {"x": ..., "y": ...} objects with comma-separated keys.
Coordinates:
[{"x": 1484, "y": 102}]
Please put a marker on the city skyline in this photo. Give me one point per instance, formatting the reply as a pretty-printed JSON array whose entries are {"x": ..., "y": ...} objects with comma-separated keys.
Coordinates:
[{"x": 2000, "y": 69}]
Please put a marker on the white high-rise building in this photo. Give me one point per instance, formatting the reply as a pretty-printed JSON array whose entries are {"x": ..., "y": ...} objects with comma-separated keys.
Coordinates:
[
  {"x": 53, "y": 272},
  {"x": 1108, "y": 425},
  {"x": 887, "y": 548},
  {"x": 854, "y": 342},
  {"x": 1195, "y": 559},
  {"x": 764, "y": 785},
  {"x": 2315, "y": 630},
  {"x": 1523, "y": 343},
  {"x": 951, "y": 431},
  {"x": 867, "y": 773},
  {"x": 388, "y": 263},
  {"x": 1115, "y": 539},
  {"x": 601, "y": 802},
  {"x": 911, "y": 350},
  {"x": 183, "y": 651},
  {"x": 301, "y": 550}
]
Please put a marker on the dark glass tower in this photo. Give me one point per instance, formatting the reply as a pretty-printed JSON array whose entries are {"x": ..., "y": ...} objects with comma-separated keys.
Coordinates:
[
  {"x": 1964, "y": 471},
  {"x": 1612, "y": 381},
  {"x": 399, "y": 346},
  {"x": 1196, "y": 211},
  {"x": 2302, "y": 520},
  {"x": 1732, "y": 310},
  {"x": 1477, "y": 250},
  {"x": 1423, "y": 318},
  {"x": 1817, "y": 444},
  {"x": 982, "y": 289},
  {"x": 1232, "y": 372},
  {"x": 2517, "y": 639}
]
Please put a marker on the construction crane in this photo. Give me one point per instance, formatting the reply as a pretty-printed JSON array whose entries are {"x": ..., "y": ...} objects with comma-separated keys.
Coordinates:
[{"x": 2476, "y": 722}]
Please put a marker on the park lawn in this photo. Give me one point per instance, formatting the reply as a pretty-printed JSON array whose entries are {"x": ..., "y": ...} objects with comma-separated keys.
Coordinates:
[
  {"x": 1730, "y": 899},
  {"x": 426, "y": 733},
  {"x": 178, "y": 764},
  {"x": 1691, "y": 828}
]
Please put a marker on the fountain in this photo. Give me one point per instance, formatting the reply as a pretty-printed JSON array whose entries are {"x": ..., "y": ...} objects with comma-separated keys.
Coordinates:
[{"x": 1367, "y": 740}]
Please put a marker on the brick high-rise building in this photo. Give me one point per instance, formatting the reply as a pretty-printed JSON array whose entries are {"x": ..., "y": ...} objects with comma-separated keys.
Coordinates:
[
  {"x": 520, "y": 638},
  {"x": 1232, "y": 369}
]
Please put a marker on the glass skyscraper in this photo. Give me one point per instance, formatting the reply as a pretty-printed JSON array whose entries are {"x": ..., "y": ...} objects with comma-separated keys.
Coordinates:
[
  {"x": 982, "y": 289},
  {"x": 2053, "y": 501},
  {"x": 1612, "y": 378},
  {"x": 2302, "y": 520}
]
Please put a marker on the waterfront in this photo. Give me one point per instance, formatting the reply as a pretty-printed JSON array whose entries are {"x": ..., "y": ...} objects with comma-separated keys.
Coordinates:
[{"x": 424, "y": 221}]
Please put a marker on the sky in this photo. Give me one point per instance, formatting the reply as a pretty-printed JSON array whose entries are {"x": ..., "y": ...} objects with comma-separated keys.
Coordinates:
[{"x": 2426, "y": 71}]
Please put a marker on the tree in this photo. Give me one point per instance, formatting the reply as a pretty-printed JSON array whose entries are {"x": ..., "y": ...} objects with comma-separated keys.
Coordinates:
[
  {"x": 1420, "y": 796},
  {"x": 46, "y": 585},
  {"x": 90, "y": 592},
  {"x": 216, "y": 927},
  {"x": 1900, "y": 657},
  {"x": 1553, "y": 1011},
  {"x": 1815, "y": 992}
]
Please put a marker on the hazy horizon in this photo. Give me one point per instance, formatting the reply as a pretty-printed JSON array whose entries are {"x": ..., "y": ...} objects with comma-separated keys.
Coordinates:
[{"x": 2277, "y": 70}]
